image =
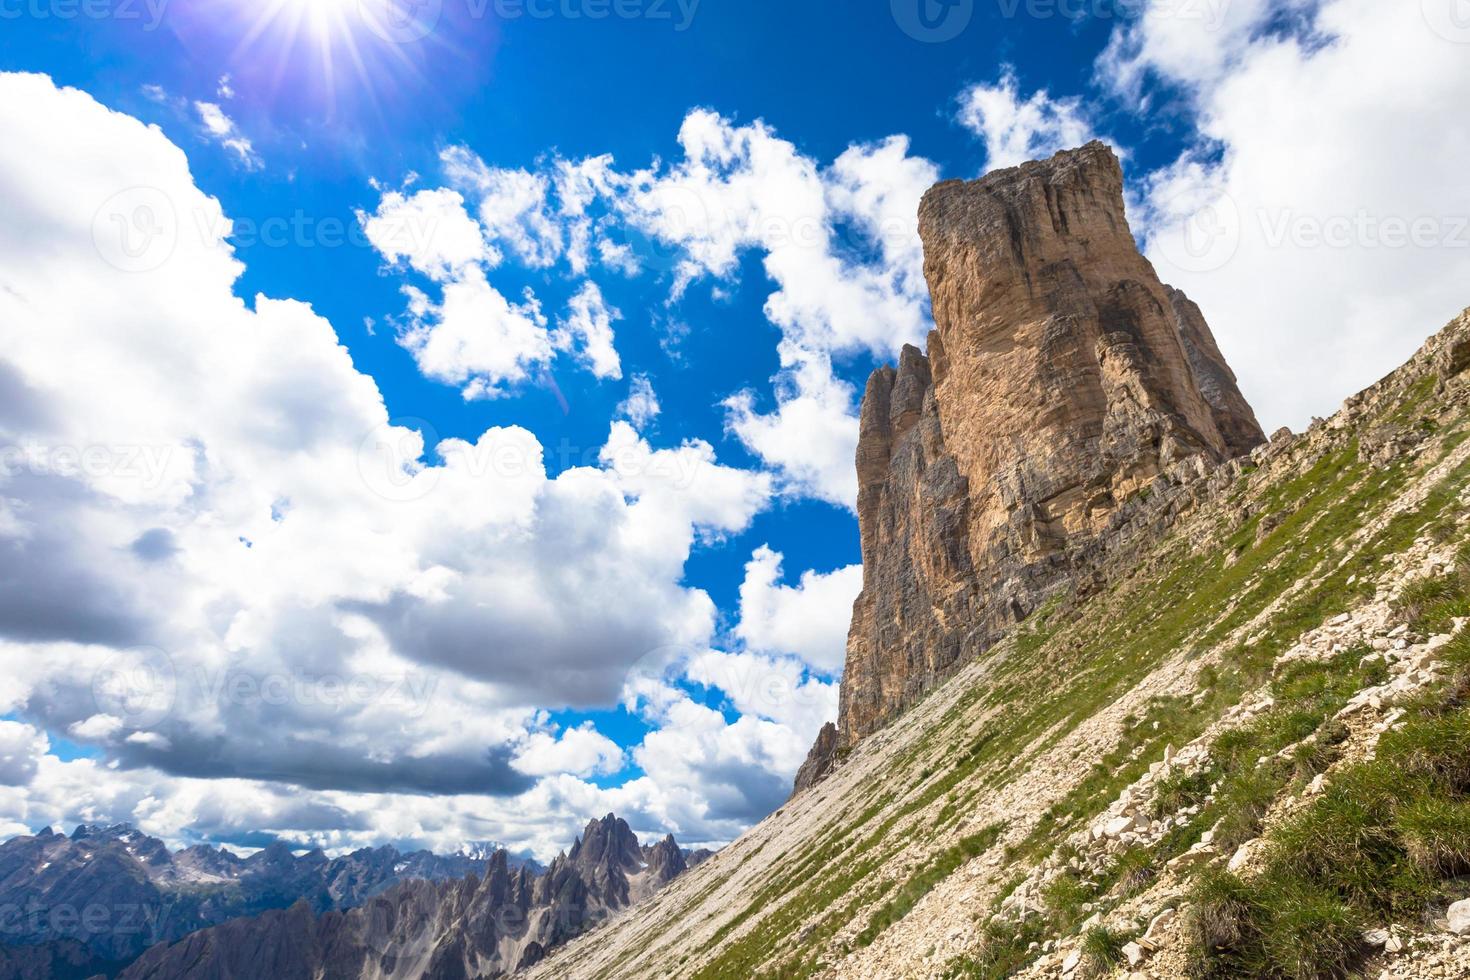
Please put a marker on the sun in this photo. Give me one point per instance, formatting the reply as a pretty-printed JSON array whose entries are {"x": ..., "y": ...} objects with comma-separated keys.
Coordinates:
[{"x": 329, "y": 48}]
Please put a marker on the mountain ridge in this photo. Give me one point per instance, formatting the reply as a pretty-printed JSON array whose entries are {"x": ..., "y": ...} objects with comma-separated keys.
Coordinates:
[
  {"x": 1232, "y": 638},
  {"x": 111, "y": 891},
  {"x": 499, "y": 923}
]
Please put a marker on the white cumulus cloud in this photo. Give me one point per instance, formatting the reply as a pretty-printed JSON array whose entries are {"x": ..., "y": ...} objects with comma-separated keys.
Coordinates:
[
  {"x": 586, "y": 330},
  {"x": 808, "y": 620},
  {"x": 260, "y": 602},
  {"x": 1016, "y": 128},
  {"x": 1336, "y": 237},
  {"x": 641, "y": 406},
  {"x": 222, "y": 129}
]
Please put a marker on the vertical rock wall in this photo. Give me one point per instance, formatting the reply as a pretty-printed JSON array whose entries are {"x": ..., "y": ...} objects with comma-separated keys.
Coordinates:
[{"x": 1062, "y": 379}]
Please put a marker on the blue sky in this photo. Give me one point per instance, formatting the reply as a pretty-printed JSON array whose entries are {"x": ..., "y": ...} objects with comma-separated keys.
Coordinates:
[
  {"x": 1257, "y": 137},
  {"x": 517, "y": 89}
]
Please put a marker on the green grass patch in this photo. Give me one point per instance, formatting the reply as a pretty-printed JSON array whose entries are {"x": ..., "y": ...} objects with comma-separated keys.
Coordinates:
[
  {"x": 1431, "y": 604},
  {"x": 1378, "y": 846},
  {"x": 1073, "y": 659},
  {"x": 1102, "y": 949}
]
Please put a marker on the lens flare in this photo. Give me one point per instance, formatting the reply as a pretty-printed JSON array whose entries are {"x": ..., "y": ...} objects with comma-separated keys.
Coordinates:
[{"x": 329, "y": 52}]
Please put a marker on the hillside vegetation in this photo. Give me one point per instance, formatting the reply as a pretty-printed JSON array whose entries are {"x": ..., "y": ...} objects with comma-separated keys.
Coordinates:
[{"x": 1243, "y": 755}]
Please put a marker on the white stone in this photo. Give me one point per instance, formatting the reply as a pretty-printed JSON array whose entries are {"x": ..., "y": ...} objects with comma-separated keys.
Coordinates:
[
  {"x": 1154, "y": 936},
  {"x": 1196, "y": 855},
  {"x": 1073, "y": 960},
  {"x": 1460, "y": 917},
  {"x": 1118, "y": 826},
  {"x": 1134, "y": 954},
  {"x": 1376, "y": 937},
  {"x": 1394, "y": 944}
]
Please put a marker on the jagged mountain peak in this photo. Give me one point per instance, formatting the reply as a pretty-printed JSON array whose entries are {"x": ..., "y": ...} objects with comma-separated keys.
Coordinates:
[
  {"x": 665, "y": 860},
  {"x": 178, "y": 892},
  {"x": 1062, "y": 379},
  {"x": 499, "y": 922},
  {"x": 1126, "y": 683},
  {"x": 608, "y": 841},
  {"x": 116, "y": 831}
]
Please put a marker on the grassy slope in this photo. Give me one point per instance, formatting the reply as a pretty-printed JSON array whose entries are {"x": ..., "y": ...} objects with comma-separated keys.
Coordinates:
[{"x": 1028, "y": 744}]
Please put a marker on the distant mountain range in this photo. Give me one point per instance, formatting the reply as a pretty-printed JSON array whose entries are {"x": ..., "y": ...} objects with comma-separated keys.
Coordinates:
[
  {"x": 91, "y": 904},
  {"x": 93, "y": 901},
  {"x": 488, "y": 926}
]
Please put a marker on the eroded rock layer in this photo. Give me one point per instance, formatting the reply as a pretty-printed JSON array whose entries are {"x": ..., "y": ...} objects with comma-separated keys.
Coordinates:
[{"x": 1062, "y": 380}]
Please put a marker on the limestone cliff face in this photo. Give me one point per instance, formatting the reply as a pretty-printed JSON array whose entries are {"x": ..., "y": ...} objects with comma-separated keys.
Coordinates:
[{"x": 1062, "y": 379}]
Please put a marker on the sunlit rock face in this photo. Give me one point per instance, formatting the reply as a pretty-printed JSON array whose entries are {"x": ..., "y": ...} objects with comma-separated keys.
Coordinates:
[{"x": 1062, "y": 380}]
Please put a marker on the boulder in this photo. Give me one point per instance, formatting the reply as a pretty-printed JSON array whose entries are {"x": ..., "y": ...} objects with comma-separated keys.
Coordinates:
[{"x": 1459, "y": 916}]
